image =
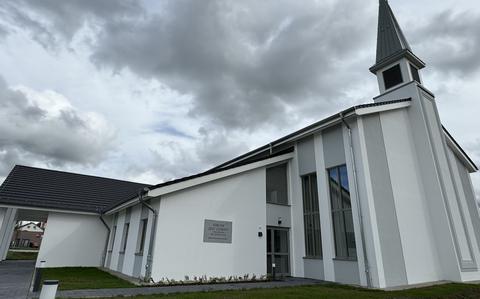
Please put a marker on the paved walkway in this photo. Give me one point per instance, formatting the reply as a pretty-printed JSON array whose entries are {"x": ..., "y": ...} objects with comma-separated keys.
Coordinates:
[
  {"x": 15, "y": 278},
  {"x": 183, "y": 289}
]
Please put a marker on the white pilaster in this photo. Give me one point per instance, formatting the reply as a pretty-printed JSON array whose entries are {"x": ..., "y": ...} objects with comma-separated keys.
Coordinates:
[{"x": 328, "y": 241}]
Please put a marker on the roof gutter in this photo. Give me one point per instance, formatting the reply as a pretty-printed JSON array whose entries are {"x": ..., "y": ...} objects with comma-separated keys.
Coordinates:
[
  {"x": 357, "y": 199},
  {"x": 148, "y": 265}
]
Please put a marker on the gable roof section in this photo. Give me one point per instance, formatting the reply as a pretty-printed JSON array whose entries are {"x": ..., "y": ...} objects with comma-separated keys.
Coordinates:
[{"x": 51, "y": 189}]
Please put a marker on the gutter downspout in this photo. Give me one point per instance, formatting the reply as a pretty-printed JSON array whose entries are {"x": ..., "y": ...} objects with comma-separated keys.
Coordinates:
[
  {"x": 105, "y": 249},
  {"x": 148, "y": 265},
  {"x": 357, "y": 196}
]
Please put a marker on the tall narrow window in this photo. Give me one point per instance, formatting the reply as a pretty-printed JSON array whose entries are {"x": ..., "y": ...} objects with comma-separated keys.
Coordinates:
[
  {"x": 114, "y": 232},
  {"x": 277, "y": 191},
  {"x": 342, "y": 213},
  {"x": 311, "y": 217},
  {"x": 142, "y": 232},
  {"x": 125, "y": 237}
]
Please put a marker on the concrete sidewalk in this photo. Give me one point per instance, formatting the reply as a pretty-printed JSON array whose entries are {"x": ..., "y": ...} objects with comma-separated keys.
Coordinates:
[
  {"x": 99, "y": 293},
  {"x": 15, "y": 278}
]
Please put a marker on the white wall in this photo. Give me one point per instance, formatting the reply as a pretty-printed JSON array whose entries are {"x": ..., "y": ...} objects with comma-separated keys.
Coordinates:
[
  {"x": 179, "y": 246},
  {"x": 418, "y": 241},
  {"x": 7, "y": 223},
  {"x": 72, "y": 240}
]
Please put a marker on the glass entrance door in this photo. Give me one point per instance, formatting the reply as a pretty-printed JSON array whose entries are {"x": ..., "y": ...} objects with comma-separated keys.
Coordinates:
[{"x": 277, "y": 251}]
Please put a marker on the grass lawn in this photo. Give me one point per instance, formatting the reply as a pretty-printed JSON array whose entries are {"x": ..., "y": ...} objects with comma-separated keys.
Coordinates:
[
  {"x": 446, "y": 291},
  {"x": 15, "y": 255},
  {"x": 75, "y": 278}
]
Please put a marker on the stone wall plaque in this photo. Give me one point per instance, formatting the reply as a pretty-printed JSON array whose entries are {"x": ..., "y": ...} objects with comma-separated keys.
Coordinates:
[{"x": 215, "y": 231}]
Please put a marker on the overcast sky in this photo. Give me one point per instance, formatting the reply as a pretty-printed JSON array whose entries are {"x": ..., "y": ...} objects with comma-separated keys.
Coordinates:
[{"x": 154, "y": 90}]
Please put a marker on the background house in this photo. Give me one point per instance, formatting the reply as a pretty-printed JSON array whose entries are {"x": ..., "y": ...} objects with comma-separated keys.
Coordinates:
[{"x": 27, "y": 235}]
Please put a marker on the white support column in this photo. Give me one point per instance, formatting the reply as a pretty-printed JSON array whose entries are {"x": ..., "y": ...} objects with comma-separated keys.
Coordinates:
[
  {"x": 372, "y": 238},
  {"x": 7, "y": 223},
  {"x": 328, "y": 241},
  {"x": 297, "y": 234}
]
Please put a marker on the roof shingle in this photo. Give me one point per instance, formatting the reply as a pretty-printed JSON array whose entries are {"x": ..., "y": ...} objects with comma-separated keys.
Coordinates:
[{"x": 43, "y": 188}]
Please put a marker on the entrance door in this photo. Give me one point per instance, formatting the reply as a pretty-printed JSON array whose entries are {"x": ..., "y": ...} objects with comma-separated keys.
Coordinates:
[{"x": 277, "y": 250}]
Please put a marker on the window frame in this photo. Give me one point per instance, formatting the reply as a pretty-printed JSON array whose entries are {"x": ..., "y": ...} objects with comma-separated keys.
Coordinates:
[
  {"x": 112, "y": 241},
  {"x": 126, "y": 228},
  {"x": 311, "y": 249},
  {"x": 341, "y": 211},
  {"x": 142, "y": 233},
  {"x": 287, "y": 187}
]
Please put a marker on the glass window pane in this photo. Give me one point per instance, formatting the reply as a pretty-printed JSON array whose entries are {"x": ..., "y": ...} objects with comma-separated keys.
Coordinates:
[
  {"x": 314, "y": 191},
  {"x": 345, "y": 187},
  {"x": 276, "y": 178},
  {"x": 281, "y": 264},
  {"x": 318, "y": 236},
  {"x": 311, "y": 215},
  {"x": 339, "y": 234},
  {"x": 269, "y": 240},
  {"x": 350, "y": 234},
  {"x": 281, "y": 241},
  {"x": 334, "y": 183},
  {"x": 269, "y": 264}
]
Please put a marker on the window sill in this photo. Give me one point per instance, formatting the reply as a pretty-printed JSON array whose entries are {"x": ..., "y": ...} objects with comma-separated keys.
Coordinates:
[
  {"x": 278, "y": 204},
  {"x": 313, "y": 258},
  {"x": 345, "y": 259}
]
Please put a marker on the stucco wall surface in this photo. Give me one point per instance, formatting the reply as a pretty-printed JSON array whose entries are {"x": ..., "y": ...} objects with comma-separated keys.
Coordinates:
[
  {"x": 179, "y": 247},
  {"x": 72, "y": 240}
]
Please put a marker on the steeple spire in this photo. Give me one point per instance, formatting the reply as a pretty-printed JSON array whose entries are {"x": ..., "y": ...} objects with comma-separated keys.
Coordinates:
[
  {"x": 391, "y": 42},
  {"x": 390, "y": 38}
]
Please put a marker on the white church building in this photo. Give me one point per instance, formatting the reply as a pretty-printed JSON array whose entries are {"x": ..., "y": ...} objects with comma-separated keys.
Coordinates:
[{"x": 377, "y": 195}]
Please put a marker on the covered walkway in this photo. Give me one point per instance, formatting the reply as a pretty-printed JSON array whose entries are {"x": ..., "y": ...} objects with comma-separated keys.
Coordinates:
[{"x": 15, "y": 278}]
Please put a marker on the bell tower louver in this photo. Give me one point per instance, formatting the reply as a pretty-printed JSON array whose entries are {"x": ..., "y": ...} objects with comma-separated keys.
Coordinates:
[{"x": 395, "y": 62}]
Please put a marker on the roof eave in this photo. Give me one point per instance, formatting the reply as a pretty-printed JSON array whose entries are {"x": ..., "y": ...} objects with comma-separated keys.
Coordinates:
[{"x": 405, "y": 53}]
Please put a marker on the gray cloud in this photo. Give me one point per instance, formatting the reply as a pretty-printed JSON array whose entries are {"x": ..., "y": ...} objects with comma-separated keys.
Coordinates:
[
  {"x": 3, "y": 31},
  {"x": 211, "y": 148},
  {"x": 53, "y": 22},
  {"x": 451, "y": 42},
  {"x": 244, "y": 65},
  {"x": 30, "y": 134}
]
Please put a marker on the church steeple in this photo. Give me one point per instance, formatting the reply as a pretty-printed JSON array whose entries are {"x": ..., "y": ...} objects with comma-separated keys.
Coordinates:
[
  {"x": 395, "y": 61},
  {"x": 390, "y": 38}
]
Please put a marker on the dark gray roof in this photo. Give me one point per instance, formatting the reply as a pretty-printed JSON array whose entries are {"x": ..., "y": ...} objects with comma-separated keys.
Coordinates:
[
  {"x": 391, "y": 42},
  {"x": 390, "y": 38},
  {"x": 43, "y": 188}
]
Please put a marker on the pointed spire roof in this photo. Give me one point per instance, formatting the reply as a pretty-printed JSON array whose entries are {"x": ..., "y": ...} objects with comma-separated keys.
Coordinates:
[
  {"x": 390, "y": 38},
  {"x": 391, "y": 42}
]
